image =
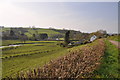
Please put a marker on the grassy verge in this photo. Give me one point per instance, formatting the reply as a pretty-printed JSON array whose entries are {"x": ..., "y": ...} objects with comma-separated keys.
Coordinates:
[
  {"x": 115, "y": 38},
  {"x": 109, "y": 64}
]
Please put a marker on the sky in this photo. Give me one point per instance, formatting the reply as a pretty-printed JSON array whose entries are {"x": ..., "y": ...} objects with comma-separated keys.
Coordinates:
[{"x": 80, "y": 16}]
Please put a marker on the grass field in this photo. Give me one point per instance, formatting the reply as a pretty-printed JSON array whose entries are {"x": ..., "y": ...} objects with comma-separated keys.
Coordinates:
[
  {"x": 35, "y": 54},
  {"x": 109, "y": 65},
  {"x": 31, "y": 31},
  {"x": 115, "y": 38},
  {"x": 48, "y": 31},
  {"x": 38, "y": 54},
  {"x": 8, "y": 42}
]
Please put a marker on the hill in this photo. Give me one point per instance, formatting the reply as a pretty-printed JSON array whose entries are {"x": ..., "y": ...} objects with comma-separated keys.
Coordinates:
[{"x": 30, "y": 33}]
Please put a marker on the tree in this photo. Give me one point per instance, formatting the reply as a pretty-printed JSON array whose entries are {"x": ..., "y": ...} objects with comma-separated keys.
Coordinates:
[
  {"x": 34, "y": 37},
  {"x": 57, "y": 36},
  {"x": 43, "y": 36},
  {"x": 100, "y": 33},
  {"x": 12, "y": 34},
  {"x": 67, "y": 38},
  {"x": 23, "y": 37}
]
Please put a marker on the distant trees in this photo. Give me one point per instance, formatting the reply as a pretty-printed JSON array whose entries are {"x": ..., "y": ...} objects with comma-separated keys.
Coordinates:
[
  {"x": 43, "y": 36},
  {"x": 34, "y": 37},
  {"x": 23, "y": 37},
  {"x": 57, "y": 36},
  {"x": 67, "y": 38},
  {"x": 35, "y": 34},
  {"x": 12, "y": 33},
  {"x": 5, "y": 35},
  {"x": 75, "y": 35},
  {"x": 100, "y": 33}
]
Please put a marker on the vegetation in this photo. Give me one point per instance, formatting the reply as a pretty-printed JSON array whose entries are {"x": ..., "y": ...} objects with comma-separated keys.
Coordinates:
[
  {"x": 40, "y": 55},
  {"x": 115, "y": 38},
  {"x": 29, "y": 32},
  {"x": 79, "y": 63},
  {"x": 29, "y": 56},
  {"x": 110, "y": 66},
  {"x": 23, "y": 37},
  {"x": 9, "y": 42},
  {"x": 34, "y": 34},
  {"x": 67, "y": 38}
]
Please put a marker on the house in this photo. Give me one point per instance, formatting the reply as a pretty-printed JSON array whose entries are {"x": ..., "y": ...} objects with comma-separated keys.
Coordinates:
[
  {"x": 70, "y": 44},
  {"x": 57, "y": 39},
  {"x": 93, "y": 38}
]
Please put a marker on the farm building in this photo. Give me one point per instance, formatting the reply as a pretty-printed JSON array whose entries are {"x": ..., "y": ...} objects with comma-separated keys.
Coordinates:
[{"x": 93, "y": 38}]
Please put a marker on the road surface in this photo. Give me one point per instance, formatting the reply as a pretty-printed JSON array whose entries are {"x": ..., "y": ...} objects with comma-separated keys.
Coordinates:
[{"x": 115, "y": 43}]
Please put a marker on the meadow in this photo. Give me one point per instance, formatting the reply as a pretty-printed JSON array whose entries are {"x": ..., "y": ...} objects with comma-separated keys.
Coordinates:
[
  {"x": 8, "y": 42},
  {"x": 98, "y": 59},
  {"x": 79, "y": 63},
  {"x": 29, "y": 55},
  {"x": 48, "y": 31}
]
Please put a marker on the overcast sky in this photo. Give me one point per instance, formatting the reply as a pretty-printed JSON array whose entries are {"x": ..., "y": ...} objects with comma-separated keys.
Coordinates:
[{"x": 83, "y": 16}]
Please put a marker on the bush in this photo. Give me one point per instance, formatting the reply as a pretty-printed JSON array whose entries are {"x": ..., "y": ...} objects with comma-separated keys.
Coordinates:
[{"x": 86, "y": 41}]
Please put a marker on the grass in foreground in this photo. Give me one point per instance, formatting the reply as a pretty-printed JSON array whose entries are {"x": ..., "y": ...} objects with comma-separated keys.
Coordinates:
[{"x": 109, "y": 65}]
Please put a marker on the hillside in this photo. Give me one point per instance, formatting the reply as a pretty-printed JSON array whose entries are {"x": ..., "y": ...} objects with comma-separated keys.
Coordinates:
[{"x": 31, "y": 33}]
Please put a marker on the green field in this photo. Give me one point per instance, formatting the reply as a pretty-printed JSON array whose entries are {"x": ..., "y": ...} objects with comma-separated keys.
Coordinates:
[
  {"x": 48, "y": 31},
  {"x": 38, "y": 54},
  {"x": 110, "y": 66},
  {"x": 35, "y": 54},
  {"x": 115, "y": 38},
  {"x": 8, "y": 42},
  {"x": 30, "y": 31}
]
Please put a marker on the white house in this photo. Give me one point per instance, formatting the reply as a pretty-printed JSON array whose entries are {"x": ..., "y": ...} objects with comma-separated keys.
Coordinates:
[{"x": 93, "y": 38}]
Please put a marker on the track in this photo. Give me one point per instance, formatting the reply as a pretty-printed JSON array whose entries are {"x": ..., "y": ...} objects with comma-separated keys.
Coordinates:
[{"x": 115, "y": 43}]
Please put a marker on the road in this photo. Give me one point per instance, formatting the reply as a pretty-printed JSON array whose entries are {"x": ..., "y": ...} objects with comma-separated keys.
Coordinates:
[{"x": 115, "y": 43}]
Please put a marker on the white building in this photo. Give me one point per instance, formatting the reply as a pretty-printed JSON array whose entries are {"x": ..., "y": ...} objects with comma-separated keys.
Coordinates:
[{"x": 93, "y": 38}]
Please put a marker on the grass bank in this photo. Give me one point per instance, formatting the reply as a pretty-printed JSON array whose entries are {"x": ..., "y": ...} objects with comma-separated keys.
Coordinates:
[
  {"x": 115, "y": 38},
  {"x": 109, "y": 65}
]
